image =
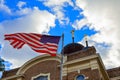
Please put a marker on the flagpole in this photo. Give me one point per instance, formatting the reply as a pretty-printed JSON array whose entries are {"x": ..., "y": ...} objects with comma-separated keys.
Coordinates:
[{"x": 62, "y": 55}]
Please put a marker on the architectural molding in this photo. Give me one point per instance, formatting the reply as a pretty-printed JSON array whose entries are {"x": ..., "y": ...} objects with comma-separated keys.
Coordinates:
[
  {"x": 35, "y": 61},
  {"x": 80, "y": 60},
  {"x": 41, "y": 74},
  {"x": 115, "y": 78},
  {"x": 92, "y": 60},
  {"x": 94, "y": 64}
]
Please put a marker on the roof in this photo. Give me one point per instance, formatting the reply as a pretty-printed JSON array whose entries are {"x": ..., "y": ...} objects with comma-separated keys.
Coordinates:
[
  {"x": 72, "y": 47},
  {"x": 18, "y": 71},
  {"x": 114, "y": 72}
]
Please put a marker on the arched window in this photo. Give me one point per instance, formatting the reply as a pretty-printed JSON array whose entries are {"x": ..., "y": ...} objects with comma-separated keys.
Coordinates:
[
  {"x": 80, "y": 77},
  {"x": 41, "y": 78}
]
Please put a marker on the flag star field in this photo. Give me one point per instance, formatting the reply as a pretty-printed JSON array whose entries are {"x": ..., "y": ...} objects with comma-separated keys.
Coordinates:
[{"x": 99, "y": 19}]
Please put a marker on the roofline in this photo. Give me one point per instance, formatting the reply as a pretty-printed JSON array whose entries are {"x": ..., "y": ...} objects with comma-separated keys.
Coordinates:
[
  {"x": 103, "y": 67},
  {"x": 36, "y": 60},
  {"x": 11, "y": 77}
]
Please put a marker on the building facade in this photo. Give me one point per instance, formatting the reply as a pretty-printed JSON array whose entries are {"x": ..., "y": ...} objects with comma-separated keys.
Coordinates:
[{"x": 80, "y": 63}]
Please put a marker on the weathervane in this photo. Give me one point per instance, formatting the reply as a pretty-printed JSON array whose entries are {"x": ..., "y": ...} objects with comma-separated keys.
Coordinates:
[
  {"x": 73, "y": 35},
  {"x": 86, "y": 39}
]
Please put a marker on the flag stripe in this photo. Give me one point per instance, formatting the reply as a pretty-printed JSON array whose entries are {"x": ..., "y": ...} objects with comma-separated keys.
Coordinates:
[
  {"x": 30, "y": 40},
  {"x": 48, "y": 48},
  {"x": 37, "y": 42},
  {"x": 20, "y": 45},
  {"x": 17, "y": 43},
  {"x": 45, "y": 51},
  {"x": 54, "y": 45},
  {"x": 34, "y": 36}
]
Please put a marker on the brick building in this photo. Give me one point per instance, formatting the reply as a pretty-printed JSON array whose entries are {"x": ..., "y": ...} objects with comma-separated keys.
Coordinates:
[{"x": 80, "y": 63}]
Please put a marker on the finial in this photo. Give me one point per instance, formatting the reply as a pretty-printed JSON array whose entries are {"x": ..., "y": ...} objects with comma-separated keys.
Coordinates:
[
  {"x": 86, "y": 39},
  {"x": 73, "y": 35}
]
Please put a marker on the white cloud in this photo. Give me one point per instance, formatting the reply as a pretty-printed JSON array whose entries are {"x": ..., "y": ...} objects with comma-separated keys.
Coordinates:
[
  {"x": 78, "y": 24},
  {"x": 17, "y": 57},
  {"x": 57, "y": 8},
  {"x": 23, "y": 10},
  {"x": 60, "y": 14},
  {"x": 56, "y": 3},
  {"x": 4, "y": 8},
  {"x": 100, "y": 15},
  {"x": 103, "y": 15},
  {"x": 21, "y": 4},
  {"x": 36, "y": 22}
]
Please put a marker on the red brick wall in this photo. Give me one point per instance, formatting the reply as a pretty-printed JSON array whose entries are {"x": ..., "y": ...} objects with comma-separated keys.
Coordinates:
[
  {"x": 44, "y": 67},
  {"x": 91, "y": 74},
  {"x": 81, "y": 54}
]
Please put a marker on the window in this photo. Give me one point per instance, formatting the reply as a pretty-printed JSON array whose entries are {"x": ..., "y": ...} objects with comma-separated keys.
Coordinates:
[
  {"x": 80, "y": 77},
  {"x": 41, "y": 78}
]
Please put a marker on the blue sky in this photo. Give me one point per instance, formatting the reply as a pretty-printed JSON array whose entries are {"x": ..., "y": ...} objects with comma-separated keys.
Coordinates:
[{"x": 99, "y": 19}]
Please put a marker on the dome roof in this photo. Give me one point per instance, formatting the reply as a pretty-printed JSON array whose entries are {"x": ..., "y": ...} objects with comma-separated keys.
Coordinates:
[{"x": 72, "y": 47}]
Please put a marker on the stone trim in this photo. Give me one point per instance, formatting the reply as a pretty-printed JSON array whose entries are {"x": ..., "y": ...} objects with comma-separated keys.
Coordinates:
[
  {"x": 41, "y": 74},
  {"x": 94, "y": 64},
  {"x": 91, "y": 60},
  {"x": 115, "y": 78},
  {"x": 90, "y": 64},
  {"x": 36, "y": 60},
  {"x": 80, "y": 60},
  {"x": 102, "y": 68}
]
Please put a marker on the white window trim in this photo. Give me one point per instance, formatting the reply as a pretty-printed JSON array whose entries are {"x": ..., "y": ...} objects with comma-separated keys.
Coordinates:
[{"x": 41, "y": 74}]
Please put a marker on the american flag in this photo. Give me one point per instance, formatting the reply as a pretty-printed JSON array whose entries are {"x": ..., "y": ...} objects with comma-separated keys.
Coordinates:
[{"x": 37, "y": 42}]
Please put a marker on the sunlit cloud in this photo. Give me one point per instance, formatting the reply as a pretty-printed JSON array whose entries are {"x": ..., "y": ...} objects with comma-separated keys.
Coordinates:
[
  {"x": 36, "y": 22},
  {"x": 4, "y": 7},
  {"x": 57, "y": 8},
  {"x": 103, "y": 16}
]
